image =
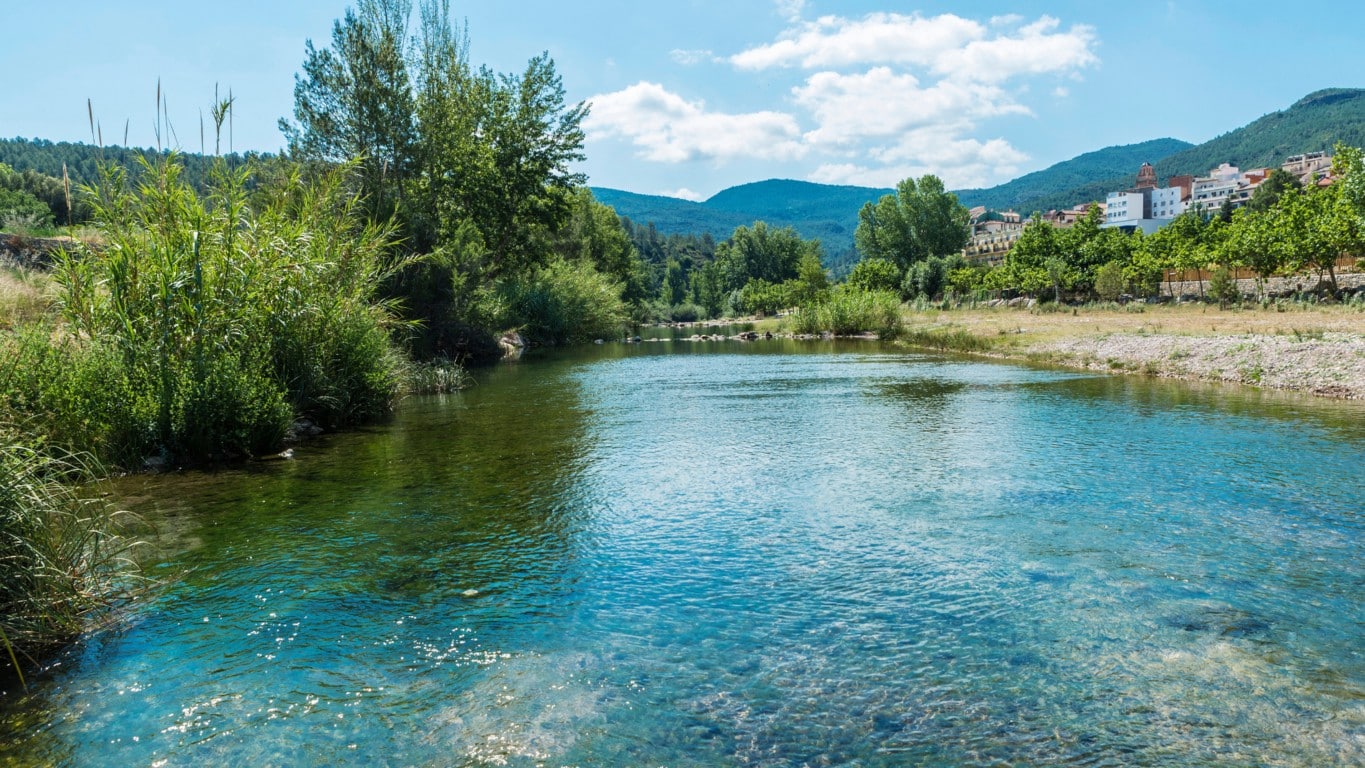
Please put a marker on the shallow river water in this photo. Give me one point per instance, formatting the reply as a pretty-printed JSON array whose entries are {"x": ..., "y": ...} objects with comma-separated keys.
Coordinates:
[{"x": 776, "y": 554}]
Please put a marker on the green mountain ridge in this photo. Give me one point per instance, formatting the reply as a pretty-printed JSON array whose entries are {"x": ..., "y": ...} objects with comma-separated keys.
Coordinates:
[
  {"x": 1314, "y": 123},
  {"x": 1060, "y": 179}
]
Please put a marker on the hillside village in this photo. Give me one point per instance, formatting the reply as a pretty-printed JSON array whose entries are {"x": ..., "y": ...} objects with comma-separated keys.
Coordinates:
[{"x": 1145, "y": 206}]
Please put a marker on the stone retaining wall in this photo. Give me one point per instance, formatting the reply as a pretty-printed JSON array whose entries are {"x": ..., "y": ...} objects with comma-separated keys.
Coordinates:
[{"x": 1354, "y": 281}]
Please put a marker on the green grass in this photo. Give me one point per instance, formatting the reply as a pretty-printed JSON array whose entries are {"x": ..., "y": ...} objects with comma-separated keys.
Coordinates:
[{"x": 945, "y": 339}]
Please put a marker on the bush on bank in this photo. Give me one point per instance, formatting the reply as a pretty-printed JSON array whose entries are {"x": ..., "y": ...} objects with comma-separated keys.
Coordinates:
[
  {"x": 848, "y": 310},
  {"x": 202, "y": 326}
]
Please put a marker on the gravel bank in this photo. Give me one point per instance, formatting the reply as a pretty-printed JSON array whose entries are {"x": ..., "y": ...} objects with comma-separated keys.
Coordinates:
[{"x": 1326, "y": 364}]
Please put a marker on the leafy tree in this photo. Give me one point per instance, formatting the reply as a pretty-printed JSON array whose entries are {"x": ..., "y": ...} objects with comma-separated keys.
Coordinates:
[
  {"x": 354, "y": 100},
  {"x": 929, "y": 278},
  {"x": 874, "y": 274},
  {"x": 1110, "y": 281},
  {"x": 1026, "y": 265},
  {"x": 811, "y": 279},
  {"x": 761, "y": 252},
  {"x": 1085, "y": 247},
  {"x": 708, "y": 289},
  {"x": 969, "y": 279},
  {"x": 1255, "y": 242},
  {"x": 1268, "y": 192},
  {"x": 1192, "y": 242},
  {"x": 498, "y": 155},
  {"x": 761, "y": 296},
  {"x": 594, "y": 234},
  {"x": 920, "y": 220}
]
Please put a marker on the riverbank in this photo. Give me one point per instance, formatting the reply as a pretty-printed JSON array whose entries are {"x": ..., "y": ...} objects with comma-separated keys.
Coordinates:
[{"x": 1314, "y": 349}]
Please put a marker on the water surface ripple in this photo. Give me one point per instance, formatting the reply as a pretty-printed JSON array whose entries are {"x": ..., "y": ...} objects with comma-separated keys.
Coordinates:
[{"x": 777, "y": 556}]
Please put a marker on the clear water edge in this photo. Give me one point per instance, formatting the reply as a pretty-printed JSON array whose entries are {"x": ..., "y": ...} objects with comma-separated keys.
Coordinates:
[{"x": 770, "y": 554}]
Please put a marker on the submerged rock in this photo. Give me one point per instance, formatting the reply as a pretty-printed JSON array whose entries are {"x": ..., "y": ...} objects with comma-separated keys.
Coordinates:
[{"x": 1221, "y": 620}]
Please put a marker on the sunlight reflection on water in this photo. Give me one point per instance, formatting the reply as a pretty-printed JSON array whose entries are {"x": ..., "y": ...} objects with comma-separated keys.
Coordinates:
[{"x": 776, "y": 557}]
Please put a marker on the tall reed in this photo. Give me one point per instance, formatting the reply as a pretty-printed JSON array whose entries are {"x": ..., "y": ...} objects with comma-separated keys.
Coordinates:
[
  {"x": 61, "y": 559},
  {"x": 219, "y": 319}
]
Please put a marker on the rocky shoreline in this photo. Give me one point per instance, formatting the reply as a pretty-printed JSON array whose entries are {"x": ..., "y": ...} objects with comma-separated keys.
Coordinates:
[{"x": 1326, "y": 364}]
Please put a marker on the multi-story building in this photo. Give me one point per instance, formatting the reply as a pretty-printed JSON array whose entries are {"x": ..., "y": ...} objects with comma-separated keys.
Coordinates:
[
  {"x": 1210, "y": 192},
  {"x": 1122, "y": 208},
  {"x": 1068, "y": 216},
  {"x": 993, "y": 233},
  {"x": 1306, "y": 166},
  {"x": 1146, "y": 206},
  {"x": 1167, "y": 203}
]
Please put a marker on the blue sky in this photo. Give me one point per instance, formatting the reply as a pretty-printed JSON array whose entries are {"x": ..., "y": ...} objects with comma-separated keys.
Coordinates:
[{"x": 694, "y": 96}]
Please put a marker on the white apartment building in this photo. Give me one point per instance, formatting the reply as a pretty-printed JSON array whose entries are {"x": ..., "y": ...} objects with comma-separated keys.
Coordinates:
[
  {"x": 1124, "y": 209},
  {"x": 1167, "y": 203}
]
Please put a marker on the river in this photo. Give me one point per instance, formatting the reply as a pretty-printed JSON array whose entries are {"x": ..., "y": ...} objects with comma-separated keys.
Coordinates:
[{"x": 778, "y": 553}]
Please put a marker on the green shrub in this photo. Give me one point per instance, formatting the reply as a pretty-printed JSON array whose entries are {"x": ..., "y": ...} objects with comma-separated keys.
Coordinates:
[
  {"x": 875, "y": 275},
  {"x": 685, "y": 313},
  {"x": 1223, "y": 287},
  {"x": 565, "y": 302},
  {"x": 1110, "y": 282},
  {"x": 849, "y": 311},
  {"x": 22, "y": 212},
  {"x": 762, "y": 297},
  {"x": 215, "y": 323}
]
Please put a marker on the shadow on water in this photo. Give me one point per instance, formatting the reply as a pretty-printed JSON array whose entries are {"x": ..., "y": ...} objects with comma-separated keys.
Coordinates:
[{"x": 375, "y": 563}]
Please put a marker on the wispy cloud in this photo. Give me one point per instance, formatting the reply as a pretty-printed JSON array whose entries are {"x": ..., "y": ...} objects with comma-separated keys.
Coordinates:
[
  {"x": 690, "y": 57},
  {"x": 790, "y": 10}
]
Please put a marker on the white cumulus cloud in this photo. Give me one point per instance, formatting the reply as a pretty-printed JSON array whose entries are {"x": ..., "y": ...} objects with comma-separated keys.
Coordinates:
[
  {"x": 947, "y": 45},
  {"x": 1033, "y": 49},
  {"x": 685, "y": 194},
  {"x": 666, "y": 127},
  {"x": 833, "y": 41},
  {"x": 882, "y": 103},
  {"x": 961, "y": 161}
]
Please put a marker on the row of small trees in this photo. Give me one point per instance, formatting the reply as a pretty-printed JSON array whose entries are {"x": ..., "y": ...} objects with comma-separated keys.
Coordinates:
[{"x": 910, "y": 242}]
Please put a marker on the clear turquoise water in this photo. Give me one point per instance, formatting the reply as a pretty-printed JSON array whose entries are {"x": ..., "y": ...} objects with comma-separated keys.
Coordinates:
[{"x": 770, "y": 554}]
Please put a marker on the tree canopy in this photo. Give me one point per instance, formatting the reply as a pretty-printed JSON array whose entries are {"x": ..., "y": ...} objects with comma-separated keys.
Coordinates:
[{"x": 920, "y": 220}]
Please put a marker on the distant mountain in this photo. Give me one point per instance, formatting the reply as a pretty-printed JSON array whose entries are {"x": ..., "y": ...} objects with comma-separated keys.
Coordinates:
[
  {"x": 830, "y": 213},
  {"x": 1314, "y": 123},
  {"x": 823, "y": 211},
  {"x": 1060, "y": 179}
]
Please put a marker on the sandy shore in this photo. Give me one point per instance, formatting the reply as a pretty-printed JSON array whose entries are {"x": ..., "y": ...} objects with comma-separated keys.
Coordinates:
[{"x": 1316, "y": 350}]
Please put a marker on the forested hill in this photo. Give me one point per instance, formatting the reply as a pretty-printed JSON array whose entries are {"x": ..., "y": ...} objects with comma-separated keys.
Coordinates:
[
  {"x": 1060, "y": 180},
  {"x": 830, "y": 213},
  {"x": 47, "y": 157},
  {"x": 1314, "y": 123}
]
